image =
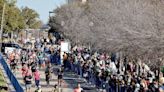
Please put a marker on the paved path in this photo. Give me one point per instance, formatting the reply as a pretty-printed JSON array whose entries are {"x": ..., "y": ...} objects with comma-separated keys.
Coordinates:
[
  {"x": 43, "y": 84},
  {"x": 44, "y": 87},
  {"x": 73, "y": 79},
  {"x": 70, "y": 81}
]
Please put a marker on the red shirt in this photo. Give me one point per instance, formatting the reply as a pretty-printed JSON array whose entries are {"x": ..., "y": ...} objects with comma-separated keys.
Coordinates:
[
  {"x": 24, "y": 70},
  {"x": 37, "y": 75},
  {"x": 78, "y": 90}
]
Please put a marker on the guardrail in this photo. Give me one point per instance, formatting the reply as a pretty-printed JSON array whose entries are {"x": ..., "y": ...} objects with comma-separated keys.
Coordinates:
[{"x": 10, "y": 75}]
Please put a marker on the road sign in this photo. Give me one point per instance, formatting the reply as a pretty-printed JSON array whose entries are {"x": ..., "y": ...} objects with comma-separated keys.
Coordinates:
[{"x": 65, "y": 47}]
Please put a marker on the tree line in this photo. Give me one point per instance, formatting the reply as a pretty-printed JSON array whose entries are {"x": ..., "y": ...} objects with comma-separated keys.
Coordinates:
[
  {"x": 133, "y": 27},
  {"x": 16, "y": 19}
]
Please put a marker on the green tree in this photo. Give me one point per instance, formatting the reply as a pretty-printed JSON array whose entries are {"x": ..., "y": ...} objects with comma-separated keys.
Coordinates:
[
  {"x": 16, "y": 19},
  {"x": 13, "y": 21},
  {"x": 31, "y": 18}
]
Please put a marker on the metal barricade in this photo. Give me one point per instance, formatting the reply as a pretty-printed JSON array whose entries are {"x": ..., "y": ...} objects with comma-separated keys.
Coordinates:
[{"x": 11, "y": 76}]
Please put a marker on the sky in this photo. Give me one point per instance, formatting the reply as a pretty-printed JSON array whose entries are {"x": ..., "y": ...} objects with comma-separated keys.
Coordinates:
[{"x": 41, "y": 6}]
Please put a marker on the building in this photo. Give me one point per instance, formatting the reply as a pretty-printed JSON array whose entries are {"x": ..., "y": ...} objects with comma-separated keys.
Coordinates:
[{"x": 83, "y": 1}]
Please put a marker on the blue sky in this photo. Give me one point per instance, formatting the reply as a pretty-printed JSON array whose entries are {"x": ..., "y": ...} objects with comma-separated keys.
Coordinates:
[{"x": 41, "y": 6}]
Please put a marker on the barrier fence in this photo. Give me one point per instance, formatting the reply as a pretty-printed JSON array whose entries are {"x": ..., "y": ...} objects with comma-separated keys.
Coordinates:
[{"x": 11, "y": 76}]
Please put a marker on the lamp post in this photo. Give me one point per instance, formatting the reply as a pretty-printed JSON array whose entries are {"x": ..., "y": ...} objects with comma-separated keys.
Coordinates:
[
  {"x": 51, "y": 12},
  {"x": 50, "y": 36},
  {"x": 91, "y": 24},
  {"x": 1, "y": 31}
]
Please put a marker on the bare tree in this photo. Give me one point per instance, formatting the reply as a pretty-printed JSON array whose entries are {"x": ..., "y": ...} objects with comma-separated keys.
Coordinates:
[{"x": 135, "y": 27}]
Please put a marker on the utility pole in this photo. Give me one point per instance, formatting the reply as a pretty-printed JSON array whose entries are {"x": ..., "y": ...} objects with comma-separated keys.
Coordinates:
[{"x": 1, "y": 31}]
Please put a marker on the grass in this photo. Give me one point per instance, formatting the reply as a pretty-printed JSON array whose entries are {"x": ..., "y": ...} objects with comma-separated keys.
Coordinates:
[
  {"x": 3, "y": 83},
  {"x": 3, "y": 91}
]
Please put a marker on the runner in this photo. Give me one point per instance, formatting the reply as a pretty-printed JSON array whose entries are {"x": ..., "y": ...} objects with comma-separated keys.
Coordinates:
[
  {"x": 60, "y": 76},
  {"x": 48, "y": 74},
  {"x": 24, "y": 57},
  {"x": 78, "y": 89},
  {"x": 24, "y": 70},
  {"x": 40, "y": 58},
  {"x": 28, "y": 81},
  {"x": 39, "y": 89},
  {"x": 56, "y": 89},
  {"x": 33, "y": 66},
  {"x": 12, "y": 61},
  {"x": 37, "y": 78}
]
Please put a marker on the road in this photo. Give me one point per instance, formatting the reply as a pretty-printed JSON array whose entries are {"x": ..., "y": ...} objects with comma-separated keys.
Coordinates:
[
  {"x": 43, "y": 84},
  {"x": 70, "y": 81}
]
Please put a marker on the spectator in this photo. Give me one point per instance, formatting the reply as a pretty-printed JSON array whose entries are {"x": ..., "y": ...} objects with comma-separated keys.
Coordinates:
[
  {"x": 144, "y": 84},
  {"x": 153, "y": 87},
  {"x": 161, "y": 88},
  {"x": 65, "y": 58}
]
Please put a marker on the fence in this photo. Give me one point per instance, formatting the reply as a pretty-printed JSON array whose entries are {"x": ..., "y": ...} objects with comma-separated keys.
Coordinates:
[{"x": 11, "y": 76}]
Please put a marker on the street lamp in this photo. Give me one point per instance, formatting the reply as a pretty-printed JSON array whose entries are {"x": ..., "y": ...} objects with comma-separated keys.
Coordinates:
[
  {"x": 91, "y": 24},
  {"x": 50, "y": 20},
  {"x": 51, "y": 12},
  {"x": 1, "y": 31}
]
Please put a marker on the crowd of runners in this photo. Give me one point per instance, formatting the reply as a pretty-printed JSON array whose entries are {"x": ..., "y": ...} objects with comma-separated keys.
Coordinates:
[
  {"x": 108, "y": 73},
  {"x": 30, "y": 61}
]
